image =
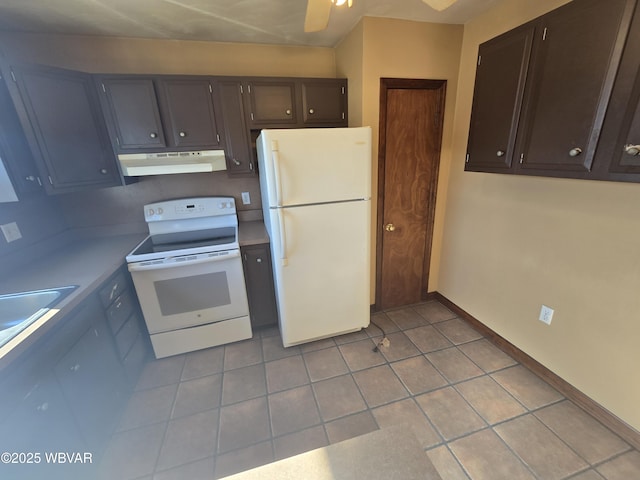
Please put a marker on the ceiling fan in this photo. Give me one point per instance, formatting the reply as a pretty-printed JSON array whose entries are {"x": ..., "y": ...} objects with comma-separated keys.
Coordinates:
[{"x": 318, "y": 11}]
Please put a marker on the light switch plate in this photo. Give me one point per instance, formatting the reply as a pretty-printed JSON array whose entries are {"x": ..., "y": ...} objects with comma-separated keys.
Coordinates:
[
  {"x": 11, "y": 232},
  {"x": 246, "y": 199}
]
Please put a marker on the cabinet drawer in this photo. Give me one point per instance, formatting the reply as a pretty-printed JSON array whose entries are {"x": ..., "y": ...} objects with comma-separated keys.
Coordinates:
[
  {"x": 119, "y": 311},
  {"x": 112, "y": 289},
  {"x": 126, "y": 337}
]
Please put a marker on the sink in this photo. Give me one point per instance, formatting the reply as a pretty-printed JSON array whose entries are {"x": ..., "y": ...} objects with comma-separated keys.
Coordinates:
[{"x": 19, "y": 310}]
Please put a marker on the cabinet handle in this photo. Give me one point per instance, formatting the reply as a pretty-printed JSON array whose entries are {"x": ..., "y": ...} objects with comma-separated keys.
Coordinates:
[
  {"x": 43, "y": 408},
  {"x": 288, "y": 111},
  {"x": 311, "y": 111},
  {"x": 574, "y": 152},
  {"x": 236, "y": 161},
  {"x": 259, "y": 260},
  {"x": 389, "y": 227},
  {"x": 114, "y": 290},
  {"x": 500, "y": 153},
  {"x": 30, "y": 178},
  {"x": 182, "y": 134},
  {"x": 104, "y": 171},
  {"x": 75, "y": 368},
  {"x": 632, "y": 150},
  {"x": 153, "y": 135}
]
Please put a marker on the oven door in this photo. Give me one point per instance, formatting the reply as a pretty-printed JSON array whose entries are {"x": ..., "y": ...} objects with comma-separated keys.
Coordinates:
[{"x": 189, "y": 290}]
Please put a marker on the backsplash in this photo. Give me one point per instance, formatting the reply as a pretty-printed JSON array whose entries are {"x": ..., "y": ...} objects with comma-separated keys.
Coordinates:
[
  {"x": 122, "y": 206},
  {"x": 49, "y": 222},
  {"x": 38, "y": 219}
]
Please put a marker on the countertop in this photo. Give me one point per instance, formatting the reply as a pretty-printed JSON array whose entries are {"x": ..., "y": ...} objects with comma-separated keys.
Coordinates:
[
  {"x": 86, "y": 262},
  {"x": 252, "y": 233},
  {"x": 391, "y": 454}
]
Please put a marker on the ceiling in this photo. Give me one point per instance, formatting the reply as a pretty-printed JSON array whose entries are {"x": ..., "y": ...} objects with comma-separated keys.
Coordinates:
[{"x": 243, "y": 21}]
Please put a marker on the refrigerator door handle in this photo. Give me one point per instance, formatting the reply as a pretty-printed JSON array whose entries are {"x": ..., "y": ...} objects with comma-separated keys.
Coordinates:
[
  {"x": 276, "y": 171},
  {"x": 283, "y": 239}
]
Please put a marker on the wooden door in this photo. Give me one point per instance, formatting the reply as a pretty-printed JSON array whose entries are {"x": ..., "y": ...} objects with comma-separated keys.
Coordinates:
[{"x": 411, "y": 117}]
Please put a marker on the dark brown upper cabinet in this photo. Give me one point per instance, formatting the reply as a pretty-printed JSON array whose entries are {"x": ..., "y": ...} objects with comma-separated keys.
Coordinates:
[
  {"x": 295, "y": 102},
  {"x": 159, "y": 113},
  {"x": 568, "y": 83},
  {"x": 271, "y": 103},
  {"x": 618, "y": 155},
  {"x": 236, "y": 131},
  {"x": 134, "y": 110},
  {"x": 61, "y": 118},
  {"x": 575, "y": 59},
  {"x": 324, "y": 101},
  {"x": 187, "y": 107},
  {"x": 14, "y": 149},
  {"x": 497, "y": 101}
]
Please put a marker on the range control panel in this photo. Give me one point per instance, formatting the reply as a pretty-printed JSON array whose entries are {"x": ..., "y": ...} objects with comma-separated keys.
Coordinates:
[{"x": 184, "y": 208}]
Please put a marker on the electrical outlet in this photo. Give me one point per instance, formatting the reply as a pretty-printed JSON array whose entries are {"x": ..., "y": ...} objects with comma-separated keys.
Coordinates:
[
  {"x": 546, "y": 314},
  {"x": 246, "y": 199},
  {"x": 11, "y": 232}
]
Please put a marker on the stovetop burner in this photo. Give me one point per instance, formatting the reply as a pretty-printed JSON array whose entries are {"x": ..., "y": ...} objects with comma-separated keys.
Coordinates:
[{"x": 188, "y": 226}]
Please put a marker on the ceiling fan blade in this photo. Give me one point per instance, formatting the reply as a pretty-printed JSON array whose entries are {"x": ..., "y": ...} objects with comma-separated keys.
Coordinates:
[
  {"x": 439, "y": 5},
  {"x": 317, "y": 15}
]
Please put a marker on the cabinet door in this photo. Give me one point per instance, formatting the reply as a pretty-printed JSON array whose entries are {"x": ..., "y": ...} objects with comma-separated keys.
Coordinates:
[
  {"x": 187, "y": 106},
  {"x": 92, "y": 379},
  {"x": 237, "y": 147},
  {"x": 272, "y": 103},
  {"x": 324, "y": 102},
  {"x": 497, "y": 99},
  {"x": 42, "y": 423},
  {"x": 260, "y": 290},
  {"x": 576, "y": 55},
  {"x": 14, "y": 148},
  {"x": 60, "y": 114},
  {"x": 133, "y": 113},
  {"x": 618, "y": 154}
]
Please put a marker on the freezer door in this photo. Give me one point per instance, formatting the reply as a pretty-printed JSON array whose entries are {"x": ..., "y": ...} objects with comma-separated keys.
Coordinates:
[
  {"x": 321, "y": 269},
  {"x": 314, "y": 165}
]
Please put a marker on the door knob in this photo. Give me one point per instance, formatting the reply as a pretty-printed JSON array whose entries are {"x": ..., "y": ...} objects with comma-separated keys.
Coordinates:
[{"x": 389, "y": 227}]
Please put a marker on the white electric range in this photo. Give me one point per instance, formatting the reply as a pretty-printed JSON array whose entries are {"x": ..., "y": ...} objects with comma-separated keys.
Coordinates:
[{"x": 188, "y": 275}]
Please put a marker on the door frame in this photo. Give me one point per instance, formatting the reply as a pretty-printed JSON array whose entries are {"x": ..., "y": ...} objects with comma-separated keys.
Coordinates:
[{"x": 418, "y": 84}]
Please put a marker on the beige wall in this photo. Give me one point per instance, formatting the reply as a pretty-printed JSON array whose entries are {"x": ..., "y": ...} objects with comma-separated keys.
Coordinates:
[
  {"x": 135, "y": 55},
  {"x": 401, "y": 49},
  {"x": 512, "y": 243}
]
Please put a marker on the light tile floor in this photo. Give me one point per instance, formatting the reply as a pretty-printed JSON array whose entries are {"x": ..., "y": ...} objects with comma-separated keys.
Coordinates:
[{"x": 477, "y": 413}]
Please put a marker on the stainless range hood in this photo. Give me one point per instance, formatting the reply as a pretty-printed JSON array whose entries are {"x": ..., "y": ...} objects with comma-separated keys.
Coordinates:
[{"x": 166, "y": 163}]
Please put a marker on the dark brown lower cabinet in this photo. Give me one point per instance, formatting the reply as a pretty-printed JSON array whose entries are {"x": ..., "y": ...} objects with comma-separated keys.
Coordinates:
[
  {"x": 67, "y": 391},
  {"x": 258, "y": 275},
  {"x": 92, "y": 380}
]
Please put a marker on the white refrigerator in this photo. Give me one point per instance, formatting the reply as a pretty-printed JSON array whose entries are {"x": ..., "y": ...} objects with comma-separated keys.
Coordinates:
[{"x": 316, "y": 200}]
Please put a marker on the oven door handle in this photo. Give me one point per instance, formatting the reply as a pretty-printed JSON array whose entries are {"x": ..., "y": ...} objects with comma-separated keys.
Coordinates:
[{"x": 201, "y": 258}]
